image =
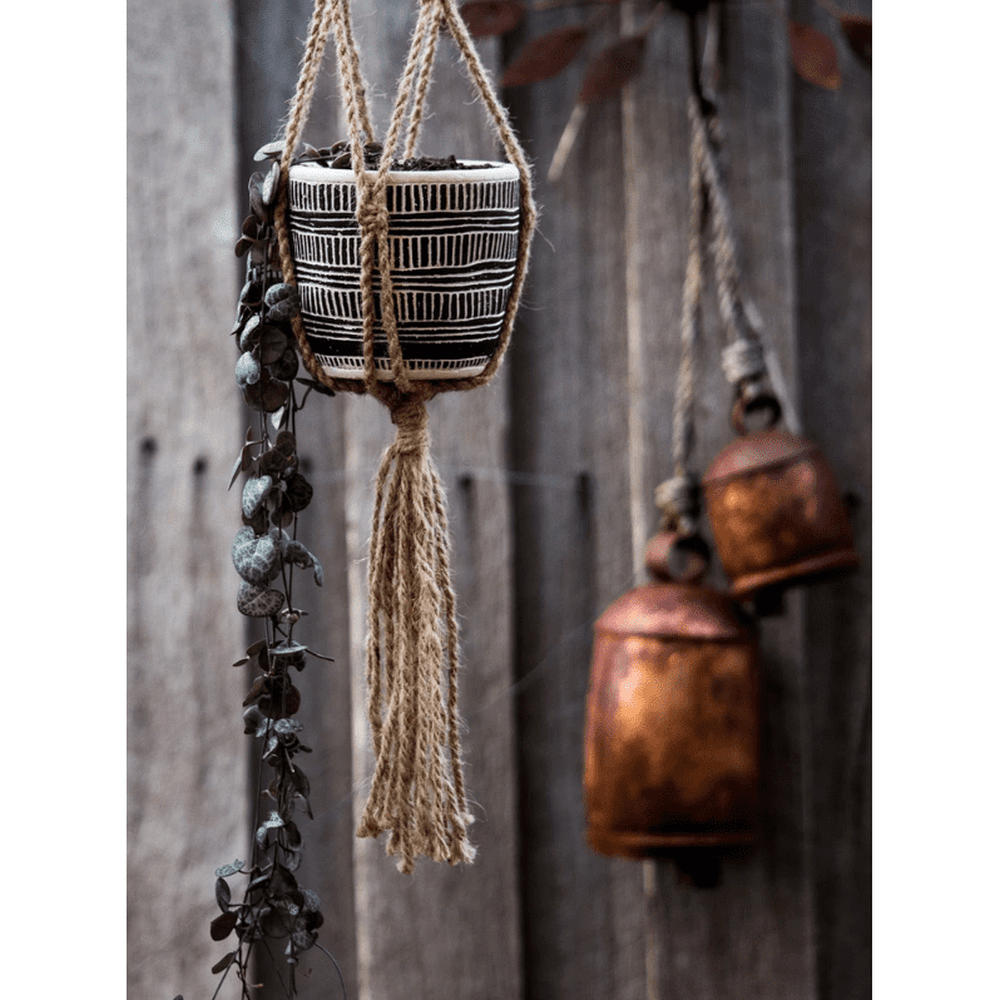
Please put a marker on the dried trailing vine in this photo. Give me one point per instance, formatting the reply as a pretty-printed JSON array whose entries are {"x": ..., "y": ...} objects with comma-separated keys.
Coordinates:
[{"x": 274, "y": 908}]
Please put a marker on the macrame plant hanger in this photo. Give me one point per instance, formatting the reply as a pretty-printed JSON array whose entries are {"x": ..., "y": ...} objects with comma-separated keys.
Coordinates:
[{"x": 412, "y": 657}]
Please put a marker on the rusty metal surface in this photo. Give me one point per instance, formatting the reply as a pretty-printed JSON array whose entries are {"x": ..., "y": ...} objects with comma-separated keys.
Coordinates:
[
  {"x": 671, "y": 755},
  {"x": 671, "y": 744},
  {"x": 776, "y": 513},
  {"x": 680, "y": 610}
]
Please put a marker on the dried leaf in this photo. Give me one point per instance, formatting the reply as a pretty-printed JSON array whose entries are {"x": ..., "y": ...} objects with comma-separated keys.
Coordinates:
[
  {"x": 222, "y": 926},
  {"x": 299, "y": 781},
  {"x": 269, "y": 186},
  {"x": 280, "y": 291},
  {"x": 286, "y": 367},
  {"x": 226, "y": 870},
  {"x": 814, "y": 55},
  {"x": 289, "y": 649},
  {"x": 612, "y": 68},
  {"x": 320, "y": 656},
  {"x": 545, "y": 56},
  {"x": 273, "y": 822},
  {"x": 260, "y": 687},
  {"x": 247, "y": 370},
  {"x": 237, "y": 469},
  {"x": 283, "y": 880},
  {"x": 251, "y": 333},
  {"x": 256, "y": 648},
  {"x": 270, "y": 150},
  {"x": 858, "y": 31},
  {"x": 272, "y": 344},
  {"x": 266, "y": 395},
  {"x": 285, "y": 442},
  {"x": 491, "y": 17},
  {"x": 223, "y": 962},
  {"x": 257, "y": 558},
  {"x": 282, "y": 311},
  {"x": 255, "y": 492},
  {"x": 258, "y": 602},
  {"x": 299, "y": 492},
  {"x": 222, "y": 894}
]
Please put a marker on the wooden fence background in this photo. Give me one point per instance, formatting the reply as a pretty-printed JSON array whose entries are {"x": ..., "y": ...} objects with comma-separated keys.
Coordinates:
[{"x": 550, "y": 473}]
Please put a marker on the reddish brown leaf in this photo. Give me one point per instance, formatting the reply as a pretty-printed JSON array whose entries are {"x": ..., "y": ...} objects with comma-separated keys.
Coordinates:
[
  {"x": 858, "y": 31},
  {"x": 612, "y": 69},
  {"x": 491, "y": 17},
  {"x": 545, "y": 56},
  {"x": 814, "y": 55}
]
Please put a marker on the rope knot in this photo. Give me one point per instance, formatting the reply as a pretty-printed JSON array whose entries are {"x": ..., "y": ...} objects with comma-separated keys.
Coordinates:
[
  {"x": 410, "y": 418},
  {"x": 744, "y": 360},
  {"x": 372, "y": 211},
  {"x": 679, "y": 500}
]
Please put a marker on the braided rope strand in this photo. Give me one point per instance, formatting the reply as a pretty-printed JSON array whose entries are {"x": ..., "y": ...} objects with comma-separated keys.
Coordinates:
[{"x": 417, "y": 792}]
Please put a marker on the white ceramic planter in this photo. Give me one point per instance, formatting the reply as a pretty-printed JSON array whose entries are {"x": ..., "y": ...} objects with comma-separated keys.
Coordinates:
[{"x": 453, "y": 236}]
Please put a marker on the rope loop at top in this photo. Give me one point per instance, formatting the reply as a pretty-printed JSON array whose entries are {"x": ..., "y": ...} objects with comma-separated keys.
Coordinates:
[{"x": 372, "y": 210}]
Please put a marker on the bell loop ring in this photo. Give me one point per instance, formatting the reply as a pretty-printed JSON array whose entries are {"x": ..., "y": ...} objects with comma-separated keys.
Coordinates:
[
  {"x": 742, "y": 408},
  {"x": 676, "y": 558}
]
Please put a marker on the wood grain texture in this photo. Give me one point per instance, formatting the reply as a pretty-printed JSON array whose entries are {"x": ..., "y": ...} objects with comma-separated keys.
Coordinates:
[
  {"x": 834, "y": 213},
  {"x": 750, "y": 936},
  {"x": 187, "y": 806},
  {"x": 443, "y": 930},
  {"x": 550, "y": 472},
  {"x": 569, "y": 403}
]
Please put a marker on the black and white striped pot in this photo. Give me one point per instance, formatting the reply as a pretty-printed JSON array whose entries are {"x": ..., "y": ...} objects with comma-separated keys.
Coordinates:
[{"x": 453, "y": 236}]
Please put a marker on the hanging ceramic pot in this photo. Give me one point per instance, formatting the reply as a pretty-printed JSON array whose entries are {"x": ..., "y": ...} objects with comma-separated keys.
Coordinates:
[
  {"x": 453, "y": 238},
  {"x": 672, "y": 732},
  {"x": 776, "y": 512}
]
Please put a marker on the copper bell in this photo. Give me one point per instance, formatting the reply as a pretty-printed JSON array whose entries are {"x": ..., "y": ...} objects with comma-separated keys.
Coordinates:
[
  {"x": 776, "y": 513},
  {"x": 671, "y": 748}
]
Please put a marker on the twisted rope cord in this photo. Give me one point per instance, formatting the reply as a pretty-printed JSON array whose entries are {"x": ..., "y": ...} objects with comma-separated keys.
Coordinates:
[
  {"x": 325, "y": 13},
  {"x": 413, "y": 625},
  {"x": 423, "y": 84},
  {"x": 410, "y": 592},
  {"x": 429, "y": 25},
  {"x": 743, "y": 358},
  {"x": 679, "y": 498}
]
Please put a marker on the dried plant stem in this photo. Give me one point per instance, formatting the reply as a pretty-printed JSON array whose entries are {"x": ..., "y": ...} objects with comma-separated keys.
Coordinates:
[
  {"x": 572, "y": 129},
  {"x": 566, "y": 142}
]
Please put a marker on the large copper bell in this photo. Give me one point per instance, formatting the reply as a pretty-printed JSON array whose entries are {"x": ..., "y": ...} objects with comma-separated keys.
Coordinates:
[
  {"x": 776, "y": 512},
  {"x": 671, "y": 747}
]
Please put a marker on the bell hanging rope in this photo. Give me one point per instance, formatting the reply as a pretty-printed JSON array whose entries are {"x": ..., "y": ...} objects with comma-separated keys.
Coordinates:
[
  {"x": 368, "y": 249},
  {"x": 772, "y": 500},
  {"x": 671, "y": 748}
]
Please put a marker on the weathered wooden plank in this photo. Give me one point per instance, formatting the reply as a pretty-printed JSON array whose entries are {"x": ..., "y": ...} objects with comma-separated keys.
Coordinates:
[
  {"x": 750, "y": 936},
  {"x": 443, "y": 930},
  {"x": 570, "y": 385},
  {"x": 834, "y": 256},
  {"x": 268, "y": 52},
  {"x": 187, "y": 809}
]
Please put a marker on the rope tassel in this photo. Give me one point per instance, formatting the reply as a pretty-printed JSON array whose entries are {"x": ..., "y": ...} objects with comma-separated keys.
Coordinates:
[{"x": 417, "y": 793}]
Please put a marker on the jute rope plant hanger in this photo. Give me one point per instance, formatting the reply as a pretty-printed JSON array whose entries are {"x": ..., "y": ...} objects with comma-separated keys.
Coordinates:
[{"x": 412, "y": 657}]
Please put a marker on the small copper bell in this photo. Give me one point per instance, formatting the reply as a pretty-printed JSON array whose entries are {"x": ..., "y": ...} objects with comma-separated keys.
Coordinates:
[
  {"x": 671, "y": 748},
  {"x": 776, "y": 513}
]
